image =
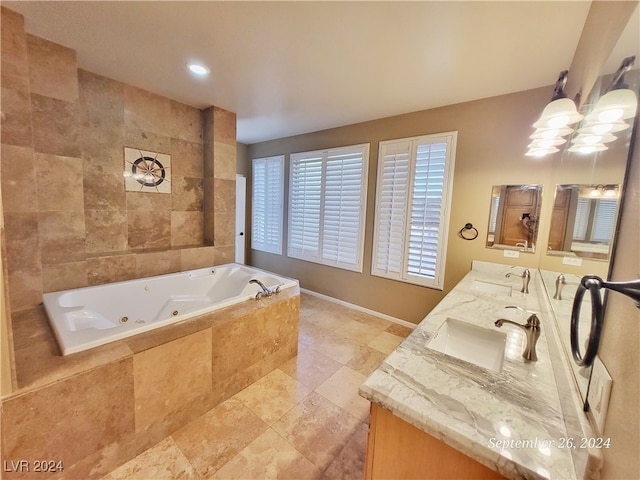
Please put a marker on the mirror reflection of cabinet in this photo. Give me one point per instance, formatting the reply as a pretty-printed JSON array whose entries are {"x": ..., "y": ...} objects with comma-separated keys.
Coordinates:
[
  {"x": 583, "y": 220},
  {"x": 514, "y": 216}
]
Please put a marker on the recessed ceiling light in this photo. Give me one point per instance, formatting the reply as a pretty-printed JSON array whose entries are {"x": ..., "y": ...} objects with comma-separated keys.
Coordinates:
[{"x": 198, "y": 69}]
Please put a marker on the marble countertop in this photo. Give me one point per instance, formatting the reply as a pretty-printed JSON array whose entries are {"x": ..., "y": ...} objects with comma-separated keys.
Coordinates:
[{"x": 511, "y": 421}]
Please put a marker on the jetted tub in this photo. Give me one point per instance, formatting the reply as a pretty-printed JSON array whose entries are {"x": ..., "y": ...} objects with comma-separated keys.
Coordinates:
[{"x": 87, "y": 317}]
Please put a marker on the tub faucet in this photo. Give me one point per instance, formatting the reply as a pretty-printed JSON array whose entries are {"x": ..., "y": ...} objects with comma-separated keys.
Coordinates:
[
  {"x": 531, "y": 329},
  {"x": 526, "y": 277},
  {"x": 266, "y": 292},
  {"x": 560, "y": 282}
]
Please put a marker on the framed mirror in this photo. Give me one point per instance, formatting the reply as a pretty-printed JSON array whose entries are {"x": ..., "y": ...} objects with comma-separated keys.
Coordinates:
[
  {"x": 584, "y": 220},
  {"x": 514, "y": 217}
]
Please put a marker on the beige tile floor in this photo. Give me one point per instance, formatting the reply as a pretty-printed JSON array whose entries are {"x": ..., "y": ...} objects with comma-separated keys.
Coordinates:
[{"x": 304, "y": 420}]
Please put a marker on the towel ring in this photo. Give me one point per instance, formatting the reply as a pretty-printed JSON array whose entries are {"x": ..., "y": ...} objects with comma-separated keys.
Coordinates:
[
  {"x": 594, "y": 283},
  {"x": 468, "y": 226}
]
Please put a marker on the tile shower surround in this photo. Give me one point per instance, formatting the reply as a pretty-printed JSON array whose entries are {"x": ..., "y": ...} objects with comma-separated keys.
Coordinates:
[
  {"x": 68, "y": 220},
  {"x": 98, "y": 409}
]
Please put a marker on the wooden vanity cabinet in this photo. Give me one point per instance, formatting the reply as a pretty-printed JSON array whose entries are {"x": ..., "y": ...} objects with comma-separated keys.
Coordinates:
[{"x": 397, "y": 450}]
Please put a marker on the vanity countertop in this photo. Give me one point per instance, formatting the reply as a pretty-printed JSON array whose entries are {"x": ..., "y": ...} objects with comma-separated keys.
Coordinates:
[{"x": 511, "y": 421}]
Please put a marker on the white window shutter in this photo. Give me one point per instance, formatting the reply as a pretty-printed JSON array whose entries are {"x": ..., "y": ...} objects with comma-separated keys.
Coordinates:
[
  {"x": 392, "y": 196},
  {"x": 412, "y": 204},
  {"x": 305, "y": 196},
  {"x": 267, "y": 204},
  {"x": 604, "y": 220},
  {"x": 327, "y": 197}
]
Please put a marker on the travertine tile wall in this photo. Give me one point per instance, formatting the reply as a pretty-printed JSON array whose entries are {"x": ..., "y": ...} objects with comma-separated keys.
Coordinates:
[{"x": 68, "y": 220}]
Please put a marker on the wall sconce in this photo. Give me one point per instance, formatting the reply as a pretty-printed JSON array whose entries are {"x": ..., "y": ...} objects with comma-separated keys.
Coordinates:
[
  {"x": 609, "y": 191},
  {"x": 608, "y": 115},
  {"x": 554, "y": 121}
]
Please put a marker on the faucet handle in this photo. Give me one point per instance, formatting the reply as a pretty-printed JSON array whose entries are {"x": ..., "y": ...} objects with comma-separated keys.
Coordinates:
[{"x": 533, "y": 320}]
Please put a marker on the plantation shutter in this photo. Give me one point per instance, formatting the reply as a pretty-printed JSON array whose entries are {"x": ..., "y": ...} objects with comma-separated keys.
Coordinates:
[
  {"x": 267, "y": 199},
  {"x": 327, "y": 196},
  {"x": 343, "y": 212},
  {"x": 412, "y": 201},
  {"x": 393, "y": 192},
  {"x": 604, "y": 220},
  {"x": 426, "y": 209},
  {"x": 305, "y": 196}
]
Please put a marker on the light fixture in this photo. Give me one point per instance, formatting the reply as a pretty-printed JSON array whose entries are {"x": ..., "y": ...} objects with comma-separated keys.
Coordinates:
[
  {"x": 619, "y": 103},
  {"x": 198, "y": 69},
  {"x": 587, "y": 148},
  {"x": 604, "y": 190},
  {"x": 554, "y": 121}
]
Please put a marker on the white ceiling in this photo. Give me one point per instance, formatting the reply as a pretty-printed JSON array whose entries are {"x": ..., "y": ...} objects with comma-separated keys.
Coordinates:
[{"x": 293, "y": 67}]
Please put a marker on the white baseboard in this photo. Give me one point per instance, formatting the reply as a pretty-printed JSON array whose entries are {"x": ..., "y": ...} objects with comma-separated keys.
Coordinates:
[{"x": 384, "y": 316}]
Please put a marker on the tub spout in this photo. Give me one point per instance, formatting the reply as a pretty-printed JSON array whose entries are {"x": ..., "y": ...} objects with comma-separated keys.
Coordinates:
[{"x": 266, "y": 292}]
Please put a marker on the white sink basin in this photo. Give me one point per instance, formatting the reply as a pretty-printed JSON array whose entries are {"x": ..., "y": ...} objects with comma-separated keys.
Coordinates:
[
  {"x": 493, "y": 288},
  {"x": 471, "y": 343}
]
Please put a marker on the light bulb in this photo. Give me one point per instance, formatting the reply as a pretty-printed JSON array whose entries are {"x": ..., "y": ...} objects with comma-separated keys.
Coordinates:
[
  {"x": 550, "y": 133},
  {"x": 602, "y": 128},
  {"x": 540, "y": 152},
  {"x": 546, "y": 142},
  {"x": 198, "y": 69},
  {"x": 582, "y": 148},
  {"x": 610, "y": 115}
]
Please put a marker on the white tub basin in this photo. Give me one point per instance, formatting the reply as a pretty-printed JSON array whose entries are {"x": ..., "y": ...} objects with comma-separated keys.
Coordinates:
[{"x": 471, "y": 343}]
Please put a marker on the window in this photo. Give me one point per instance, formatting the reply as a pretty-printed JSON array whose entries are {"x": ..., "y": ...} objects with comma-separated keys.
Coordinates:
[
  {"x": 327, "y": 196},
  {"x": 595, "y": 219},
  {"x": 412, "y": 208},
  {"x": 266, "y": 207}
]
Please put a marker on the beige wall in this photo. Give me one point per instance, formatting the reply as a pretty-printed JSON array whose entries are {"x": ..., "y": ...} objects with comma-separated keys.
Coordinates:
[{"x": 492, "y": 138}]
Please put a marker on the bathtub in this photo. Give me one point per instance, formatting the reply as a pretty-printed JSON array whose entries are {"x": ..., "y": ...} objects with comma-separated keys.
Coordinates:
[{"x": 87, "y": 317}]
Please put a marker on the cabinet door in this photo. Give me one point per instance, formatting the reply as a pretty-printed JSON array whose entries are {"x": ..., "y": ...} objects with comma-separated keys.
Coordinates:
[{"x": 399, "y": 451}]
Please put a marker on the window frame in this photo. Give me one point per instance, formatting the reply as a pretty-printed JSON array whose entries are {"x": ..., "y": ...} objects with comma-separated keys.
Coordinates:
[
  {"x": 319, "y": 255},
  {"x": 404, "y": 275},
  {"x": 262, "y": 243}
]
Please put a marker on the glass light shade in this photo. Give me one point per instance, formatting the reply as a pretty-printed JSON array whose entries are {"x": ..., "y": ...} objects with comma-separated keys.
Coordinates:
[
  {"x": 602, "y": 128},
  {"x": 541, "y": 152},
  {"x": 541, "y": 133},
  {"x": 593, "y": 138},
  {"x": 546, "y": 142},
  {"x": 592, "y": 148},
  {"x": 558, "y": 114},
  {"x": 615, "y": 105}
]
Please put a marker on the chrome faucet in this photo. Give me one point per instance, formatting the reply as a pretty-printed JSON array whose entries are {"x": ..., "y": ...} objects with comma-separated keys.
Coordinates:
[
  {"x": 266, "y": 292},
  {"x": 526, "y": 277},
  {"x": 560, "y": 282},
  {"x": 531, "y": 329}
]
